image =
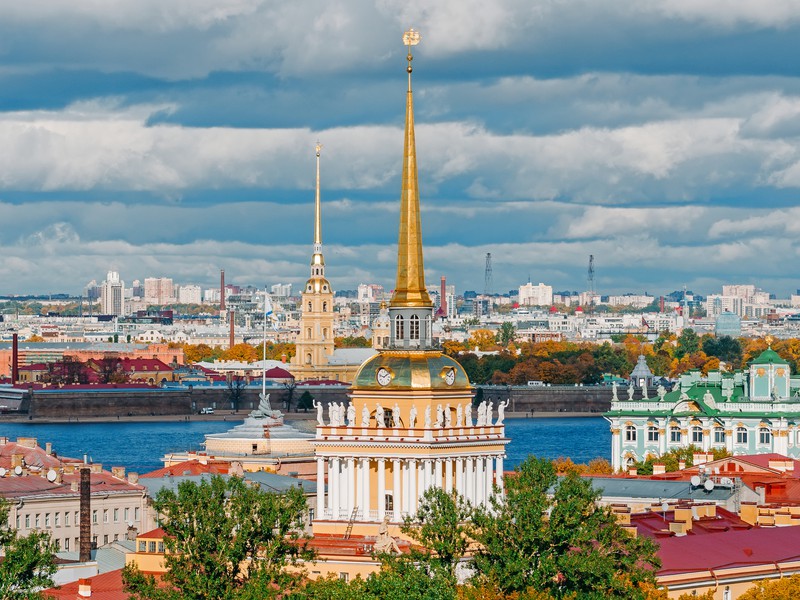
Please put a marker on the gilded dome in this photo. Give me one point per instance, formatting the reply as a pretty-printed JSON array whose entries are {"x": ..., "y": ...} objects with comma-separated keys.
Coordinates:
[{"x": 417, "y": 370}]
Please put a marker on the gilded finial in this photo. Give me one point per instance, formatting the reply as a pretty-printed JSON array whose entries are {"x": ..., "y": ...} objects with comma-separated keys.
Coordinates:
[
  {"x": 318, "y": 147},
  {"x": 410, "y": 38},
  {"x": 769, "y": 340}
]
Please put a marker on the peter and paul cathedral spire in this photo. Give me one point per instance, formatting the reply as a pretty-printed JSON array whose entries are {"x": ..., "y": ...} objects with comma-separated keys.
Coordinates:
[{"x": 317, "y": 261}]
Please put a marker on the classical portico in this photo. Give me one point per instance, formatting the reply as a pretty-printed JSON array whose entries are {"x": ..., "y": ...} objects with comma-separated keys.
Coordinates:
[{"x": 410, "y": 424}]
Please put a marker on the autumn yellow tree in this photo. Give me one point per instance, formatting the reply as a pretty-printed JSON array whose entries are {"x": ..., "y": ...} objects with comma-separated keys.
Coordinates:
[
  {"x": 787, "y": 588},
  {"x": 483, "y": 340},
  {"x": 241, "y": 352}
]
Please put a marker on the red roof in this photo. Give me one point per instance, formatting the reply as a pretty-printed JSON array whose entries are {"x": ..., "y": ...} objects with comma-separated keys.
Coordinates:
[
  {"x": 34, "y": 367},
  {"x": 278, "y": 373},
  {"x": 144, "y": 364},
  {"x": 656, "y": 525},
  {"x": 732, "y": 548},
  {"x": 35, "y": 457},
  {"x": 158, "y": 532},
  {"x": 189, "y": 467},
  {"x": 107, "y": 586}
]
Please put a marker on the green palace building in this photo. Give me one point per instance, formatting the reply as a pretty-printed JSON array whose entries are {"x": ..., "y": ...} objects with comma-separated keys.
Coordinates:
[{"x": 747, "y": 412}]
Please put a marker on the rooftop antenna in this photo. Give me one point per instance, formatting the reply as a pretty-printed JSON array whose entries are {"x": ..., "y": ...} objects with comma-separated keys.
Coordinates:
[{"x": 487, "y": 276}]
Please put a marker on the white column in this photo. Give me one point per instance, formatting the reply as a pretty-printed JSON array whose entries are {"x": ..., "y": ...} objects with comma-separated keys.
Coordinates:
[
  {"x": 428, "y": 473},
  {"x": 499, "y": 473},
  {"x": 359, "y": 501},
  {"x": 616, "y": 448},
  {"x": 334, "y": 481},
  {"x": 412, "y": 486},
  {"x": 396, "y": 489},
  {"x": 365, "y": 502},
  {"x": 351, "y": 485},
  {"x": 489, "y": 477},
  {"x": 469, "y": 480},
  {"x": 480, "y": 481},
  {"x": 381, "y": 488},
  {"x": 320, "y": 488},
  {"x": 438, "y": 473},
  {"x": 460, "y": 477},
  {"x": 448, "y": 475}
]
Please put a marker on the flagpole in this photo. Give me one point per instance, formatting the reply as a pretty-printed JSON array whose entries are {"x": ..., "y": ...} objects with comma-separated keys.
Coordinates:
[{"x": 264, "y": 354}]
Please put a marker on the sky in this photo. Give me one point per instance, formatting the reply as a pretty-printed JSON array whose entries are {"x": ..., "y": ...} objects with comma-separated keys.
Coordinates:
[{"x": 173, "y": 139}]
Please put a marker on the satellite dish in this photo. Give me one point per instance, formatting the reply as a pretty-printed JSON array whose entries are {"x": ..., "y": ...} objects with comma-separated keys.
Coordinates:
[
  {"x": 17, "y": 470},
  {"x": 3, "y": 472},
  {"x": 695, "y": 481},
  {"x": 709, "y": 485},
  {"x": 130, "y": 523},
  {"x": 51, "y": 475},
  {"x": 665, "y": 506}
]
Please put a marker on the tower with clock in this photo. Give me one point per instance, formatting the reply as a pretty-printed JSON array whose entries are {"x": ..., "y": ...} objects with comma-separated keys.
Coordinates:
[{"x": 409, "y": 425}]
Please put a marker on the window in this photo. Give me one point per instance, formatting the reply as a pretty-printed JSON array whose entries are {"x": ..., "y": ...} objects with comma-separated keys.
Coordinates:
[
  {"x": 105, "y": 515},
  {"x": 116, "y": 515},
  {"x": 36, "y": 521},
  {"x": 47, "y": 520},
  {"x": 324, "y": 307},
  {"x": 719, "y": 436},
  {"x": 630, "y": 433},
  {"x": 309, "y": 307},
  {"x": 136, "y": 514},
  {"x": 58, "y": 545},
  {"x": 652, "y": 433},
  {"x": 388, "y": 502},
  {"x": 142, "y": 546},
  {"x": 105, "y": 540},
  {"x": 27, "y": 521},
  {"x": 413, "y": 327},
  {"x": 675, "y": 434},
  {"x": 308, "y": 358},
  {"x": 741, "y": 435},
  {"x": 399, "y": 328},
  {"x": 344, "y": 576},
  {"x": 161, "y": 547},
  {"x": 310, "y": 515},
  {"x": 764, "y": 435},
  {"x": 66, "y": 544},
  {"x": 77, "y": 518},
  {"x": 94, "y": 516},
  {"x": 58, "y": 519},
  {"x": 697, "y": 435},
  {"x": 127, "y": 514},
  {"x": 151, "y": 546}
]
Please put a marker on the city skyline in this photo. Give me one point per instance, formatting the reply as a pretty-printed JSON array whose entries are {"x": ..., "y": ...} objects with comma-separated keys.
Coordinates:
[{"x": 177, "y": 139}]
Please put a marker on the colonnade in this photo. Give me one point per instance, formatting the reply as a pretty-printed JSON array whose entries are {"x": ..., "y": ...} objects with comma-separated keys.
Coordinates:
[{"x": 400, "y": 483}]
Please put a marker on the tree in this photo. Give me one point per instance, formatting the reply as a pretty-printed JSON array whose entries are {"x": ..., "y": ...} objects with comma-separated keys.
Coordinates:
[
  {"x": 787, "y": 588},
  {"x": 241, "y": 352},
  {"x": 688, "y": 343},
  {"x": 506, "y": 334},
  {"x": 290, "y": 387},
  {"x": 28, "y": 563},
  {"x": 305, "y": 401},
  {"x": 236, "y": 385},
  {"x": 482, "y": 339},
  {"x": 352, "y": 342},
  {"x": 562, "y": 544},
  {"x": 225, "y": 539}
]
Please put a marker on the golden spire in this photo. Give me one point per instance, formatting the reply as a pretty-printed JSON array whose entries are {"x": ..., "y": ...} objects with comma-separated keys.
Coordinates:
[
  {"x": 317, "y": 258},
  {"x": 410, "y": 287}
]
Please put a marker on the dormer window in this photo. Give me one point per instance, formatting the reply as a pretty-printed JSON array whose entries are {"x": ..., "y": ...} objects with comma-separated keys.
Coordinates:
[
  {"x": 413, "y": 328},
  {"x": 399, "y": 328}
]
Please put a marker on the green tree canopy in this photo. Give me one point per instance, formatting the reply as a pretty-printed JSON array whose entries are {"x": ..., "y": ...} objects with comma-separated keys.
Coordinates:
[
  {"x": 28, "y": 563},
  {"x": 225, "y": 539}
]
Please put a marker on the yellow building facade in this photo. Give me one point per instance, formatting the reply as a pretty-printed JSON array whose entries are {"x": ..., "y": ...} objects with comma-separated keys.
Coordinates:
[{"x": 409, "y": 425}]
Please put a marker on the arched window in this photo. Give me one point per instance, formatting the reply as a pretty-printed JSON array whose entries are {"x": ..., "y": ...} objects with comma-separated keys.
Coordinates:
[
  {"x": 697, "y": 435},
  {"x": 719, "y": 435},
  {"x": 652, "y": 433},
  {"x": 325, "y": 333},
  {"x": 413, "y": 327},
  {"x": 388, "y": 504},
  {"x": 741, "y": 435},
  {"x": 399, "y": 328},
  {"x": 674, "y": 433},
  {"x": 308, "y": 358},
  {"x": 309, "y": 307},
  {"x": 308, "y": 333},
  {"x": 764, "y": 435},
  {"x": 324, "y": 307},
  {"x": 630, "y": 433}
]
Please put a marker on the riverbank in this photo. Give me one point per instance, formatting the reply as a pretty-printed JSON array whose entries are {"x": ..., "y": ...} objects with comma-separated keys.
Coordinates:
[{"x": 238, "y": 416}]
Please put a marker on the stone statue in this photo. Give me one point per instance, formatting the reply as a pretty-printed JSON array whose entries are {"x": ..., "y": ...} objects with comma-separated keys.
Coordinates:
[
  {"x": 481, "y": 414},
  {"x": 351, "y": 415},
  {"x": 396, "y": 415},
  {"x": 365, "y": 416},
  {"x": 644, "y": 392},
  {"x": 320, "y": 408},
  {"x": 412, "y": 416},
  {"x": 661, "y": 391},
  {"x": 501, "y": 411},
  {"x": 630, "y": 392},
  {"x": 708, "y": 397},
  {"x": 333, "y": 418},
  {"x": 684, "y": 395},
  {"x": 487, "y": 416},
  {"x": 428, "y": 416},
  {"x": 459, "y": 415},
  {"x": 468, "y": 415},
  {"x": 448, "y": 416},
  {"x": 439, "y": 415},
  {"x": 379, "y": 417},
  {"x": 385, "y": 542},
  {"x": 614, "y": 397}
]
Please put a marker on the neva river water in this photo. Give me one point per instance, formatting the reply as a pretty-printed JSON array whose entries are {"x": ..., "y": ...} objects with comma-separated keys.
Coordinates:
[{"x": 139, "y": 446}]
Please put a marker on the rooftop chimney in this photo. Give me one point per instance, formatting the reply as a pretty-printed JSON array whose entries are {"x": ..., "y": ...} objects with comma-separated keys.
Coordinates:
[
  {"x": 14, "y": 359},
  {"x": 222, "y": 293},
  {"x": 85, "y": 552},
  {"x": 48, "y": 448},
  {"x": 232, "y": 334},
  {"x": 84, "y": 588},
  {"x": 443, "y": 298}
]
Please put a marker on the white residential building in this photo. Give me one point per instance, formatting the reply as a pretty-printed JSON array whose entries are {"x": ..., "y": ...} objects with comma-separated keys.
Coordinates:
[
  {"x": 112, "y": 295},
  {"x": 535, "y": 295},
  {"x": 190, "y": 294}
]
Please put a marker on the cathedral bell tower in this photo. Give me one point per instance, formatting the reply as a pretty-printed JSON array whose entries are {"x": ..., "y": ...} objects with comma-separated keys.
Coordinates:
[
  {"x": 409, "y": 424},
  {"x": 315, "y": 340}
]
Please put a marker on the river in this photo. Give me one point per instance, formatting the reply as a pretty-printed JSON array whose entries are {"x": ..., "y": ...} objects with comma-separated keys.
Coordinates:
[{"x": 139, "y": 446}]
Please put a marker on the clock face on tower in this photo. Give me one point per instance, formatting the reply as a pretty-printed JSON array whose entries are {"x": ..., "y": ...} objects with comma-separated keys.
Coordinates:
[
  {"x": 450, "y": 376},
  {"x": 383, "y": 376}
]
